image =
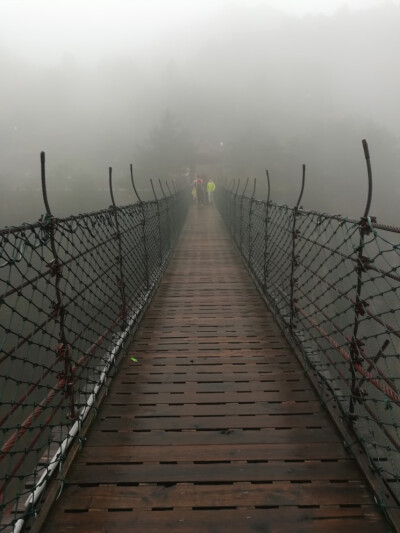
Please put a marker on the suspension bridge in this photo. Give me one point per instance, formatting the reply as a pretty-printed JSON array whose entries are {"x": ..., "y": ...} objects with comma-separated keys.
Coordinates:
[{"x": 176, "y": 367}]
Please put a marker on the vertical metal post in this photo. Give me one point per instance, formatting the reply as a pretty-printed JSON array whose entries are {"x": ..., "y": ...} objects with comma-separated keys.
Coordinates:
[
  {"x": 294, "y": 261},
  {"x": 158, "y": 222},
  {"x": 117, "y": 235},
  {"x": 171, "y": 198},
  {"x": 143, "y": 225},
  {"x": 266, "y": 229},
  {"x": 59, "y": 311},
  {"x": 241, "y": 217},
  {"x": 359, "y": 306},
  {"x": 168, "y": 218},
  {"x": 229, "y": 207},
  {"x": 251, "y": 223},
  {"x": 234, "y": 211}
]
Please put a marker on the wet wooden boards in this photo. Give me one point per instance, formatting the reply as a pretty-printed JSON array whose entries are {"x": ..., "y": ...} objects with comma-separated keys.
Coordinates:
[{"x": 216, "y": 428}]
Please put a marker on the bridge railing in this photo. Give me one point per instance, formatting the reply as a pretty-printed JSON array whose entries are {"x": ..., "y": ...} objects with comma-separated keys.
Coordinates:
[
  {"x": 71, "y": 293},
  {"x": 334, "y": 285}
]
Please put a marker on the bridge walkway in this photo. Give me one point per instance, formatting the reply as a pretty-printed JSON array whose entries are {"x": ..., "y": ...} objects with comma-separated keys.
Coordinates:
[{"x": 215, "y": 428}]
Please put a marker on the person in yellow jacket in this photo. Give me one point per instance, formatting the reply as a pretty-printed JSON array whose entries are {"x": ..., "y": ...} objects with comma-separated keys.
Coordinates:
[{"x": 210, "y": 190}]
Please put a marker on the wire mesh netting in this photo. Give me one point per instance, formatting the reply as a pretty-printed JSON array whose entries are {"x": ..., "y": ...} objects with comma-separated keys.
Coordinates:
[
  {"x": 334, "y": 284},
  {"x": 71, "y": 291}
]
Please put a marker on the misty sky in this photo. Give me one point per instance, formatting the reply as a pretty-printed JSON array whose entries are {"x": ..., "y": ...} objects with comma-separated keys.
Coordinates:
[
  {"x": 46, "y": 30},
  {"x": 278, "y": 82}
]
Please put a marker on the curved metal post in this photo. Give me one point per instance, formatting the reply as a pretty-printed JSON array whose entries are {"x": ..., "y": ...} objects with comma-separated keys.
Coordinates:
[
  {"x": 361, "y": 263},
  {"x": 268, "y": 186},
  {"x": 154, "y": 192},
  {"x": 234, "y": 216},
  {"x": 43, "y": 180},
  {"x": 171, "y": 198},
  {"x": 160, "y": 254},
  {"x": 237, "y": 188},
  {"x": 168, "y": 218},
  {"x": 117, "y": 235},
  {"x": 241, "y": 217},
  {"x": 303, "y": 179},
  {"x": 230, "y": 206},
  {"x": 161, "y": 188},
  {"x": 133, "y": 183},
  {"x": 250, "y": 251},
  {"x": 369, "y": 172},
  {"x": 245, "y": 186},
  {"x": 266, "y": 259},
  {"x": 59, "y": 310},
  {"x": 295, "y": 258},
  {"x": 143, "y": 236}
]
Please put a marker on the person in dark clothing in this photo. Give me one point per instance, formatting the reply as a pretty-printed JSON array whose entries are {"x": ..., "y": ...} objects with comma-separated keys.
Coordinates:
[{"x": 199, "y": 184}]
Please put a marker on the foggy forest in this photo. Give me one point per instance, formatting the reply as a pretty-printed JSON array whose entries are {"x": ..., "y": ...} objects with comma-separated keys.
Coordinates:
[{"x": 260, "y": 87}]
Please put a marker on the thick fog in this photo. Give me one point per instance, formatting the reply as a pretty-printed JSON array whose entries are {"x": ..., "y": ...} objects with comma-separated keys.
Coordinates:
[{"x": 99, "y": 84}]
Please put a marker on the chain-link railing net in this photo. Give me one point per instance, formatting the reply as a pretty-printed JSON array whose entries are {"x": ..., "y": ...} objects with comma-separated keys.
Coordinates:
[
  {"x": 335, "y": 285},
  {"x": 70, "y": 290}
]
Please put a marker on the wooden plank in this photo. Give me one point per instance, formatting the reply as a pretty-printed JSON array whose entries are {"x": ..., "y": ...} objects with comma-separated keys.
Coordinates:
[
  {"x": 180, "y": 422},
  {"x": 242, "y": 494},
  {"x": 230, "y": 436},
  {"x": 190, "y": 346},
  {"x": 182, "y": 379},
  {"x": 97, "y": 454},
  {"x": 229, "y": 356},
  {"x": 234, "y": 362},
  {"x": 191, "y": 409},
  {"x": 268, "y": 471},
  {"x": 189, "y": 396},
  {"x": 192, "y": 372},
  {"x": 213, "y": 387},
  {"x": 289, "y": 519},
  {"x": 200, "y": 321}
]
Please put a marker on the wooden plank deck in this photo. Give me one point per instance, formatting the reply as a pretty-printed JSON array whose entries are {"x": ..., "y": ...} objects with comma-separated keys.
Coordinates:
[{"x": 216, "y": 429}]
